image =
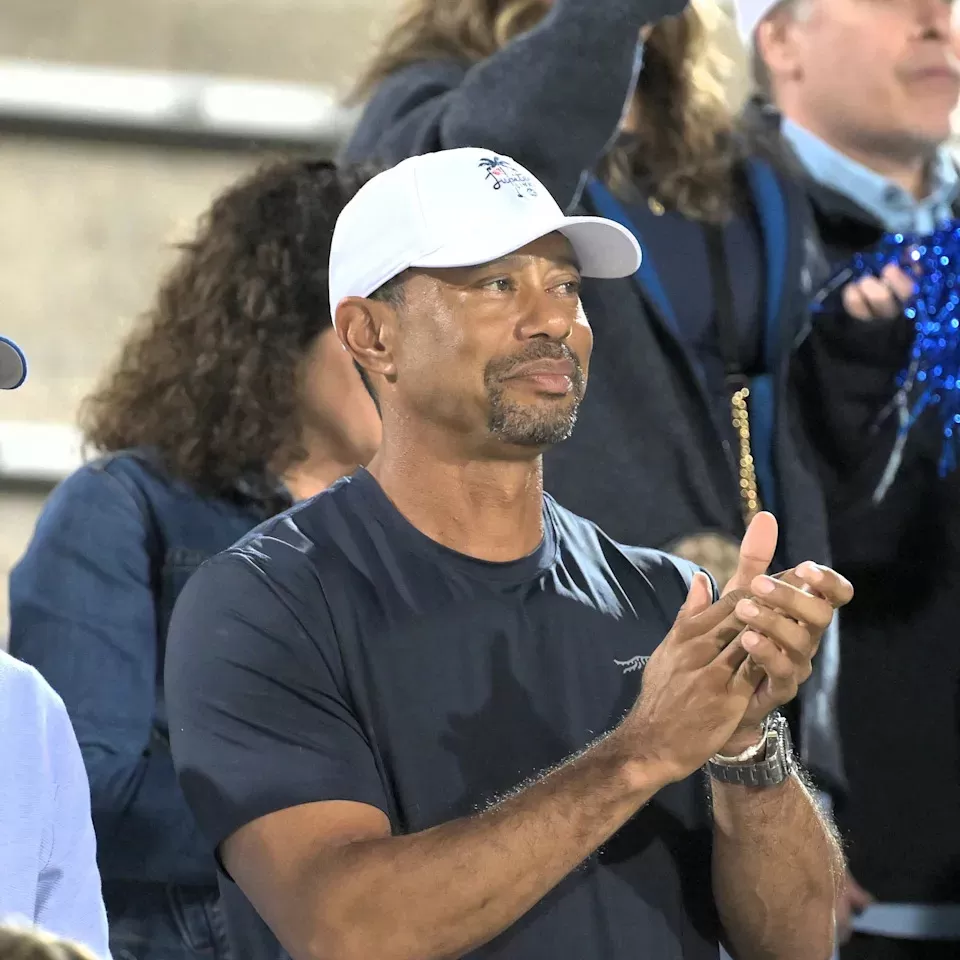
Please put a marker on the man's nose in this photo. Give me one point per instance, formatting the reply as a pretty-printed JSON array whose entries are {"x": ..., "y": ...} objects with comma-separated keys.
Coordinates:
[
  {"x": 544, "y": 316},
  {"x": 934, "y": 18}
]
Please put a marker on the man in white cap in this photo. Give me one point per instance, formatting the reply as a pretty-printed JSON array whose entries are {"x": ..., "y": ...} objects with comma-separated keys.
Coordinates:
[
  {"x": 48, "y": 858},
  {"x": 855, "y": 96},
  {"x": 408, "y": 712}
]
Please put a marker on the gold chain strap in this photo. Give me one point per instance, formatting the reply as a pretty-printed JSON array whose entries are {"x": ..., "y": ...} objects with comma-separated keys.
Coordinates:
[{"x": 749, "y": 492}]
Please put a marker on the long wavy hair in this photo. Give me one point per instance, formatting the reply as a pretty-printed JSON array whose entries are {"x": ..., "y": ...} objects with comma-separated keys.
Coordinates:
[
  {"x": 682, "y": 152},
  {"x": 211, "y": 378}
]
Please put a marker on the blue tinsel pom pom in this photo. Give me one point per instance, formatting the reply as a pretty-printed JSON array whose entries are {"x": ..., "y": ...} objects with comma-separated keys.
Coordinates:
[{"x": 930, "y": 378}]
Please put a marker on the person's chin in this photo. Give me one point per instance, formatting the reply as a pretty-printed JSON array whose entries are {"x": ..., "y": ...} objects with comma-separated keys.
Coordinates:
[{"x": 928, "y": 116}]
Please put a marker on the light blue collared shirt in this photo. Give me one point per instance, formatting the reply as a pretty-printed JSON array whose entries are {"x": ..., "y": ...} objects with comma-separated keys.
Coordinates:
[
  {"x": 894, "y": 207},
  {"x": 48, "y": 856}
]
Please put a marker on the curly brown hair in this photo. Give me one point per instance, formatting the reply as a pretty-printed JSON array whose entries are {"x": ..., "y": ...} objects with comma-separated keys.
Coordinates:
[
  {"x": 210, "y": 379},
  {"x": 683, "y": 152}
]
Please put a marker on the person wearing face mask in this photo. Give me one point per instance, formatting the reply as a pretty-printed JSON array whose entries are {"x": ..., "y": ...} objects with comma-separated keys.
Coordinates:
[
  {"x": 854, "y": 99},
  {"x": 691, "y": 427}
]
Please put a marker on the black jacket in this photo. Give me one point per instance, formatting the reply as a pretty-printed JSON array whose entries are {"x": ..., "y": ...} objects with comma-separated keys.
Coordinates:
[
  {"x": 646, "y": 461},
  {"x": 899, "y": 691}
]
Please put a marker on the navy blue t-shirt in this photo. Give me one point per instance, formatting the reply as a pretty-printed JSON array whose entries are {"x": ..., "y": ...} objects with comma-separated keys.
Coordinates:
[{"x": 337, "y": 653}]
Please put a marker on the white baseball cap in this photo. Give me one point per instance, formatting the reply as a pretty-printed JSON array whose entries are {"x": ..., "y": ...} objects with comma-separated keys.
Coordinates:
[
  {"x": 13, "y": 365},
  {"x": 460, "y": 208},
  {"x": 749, "y": 15}
]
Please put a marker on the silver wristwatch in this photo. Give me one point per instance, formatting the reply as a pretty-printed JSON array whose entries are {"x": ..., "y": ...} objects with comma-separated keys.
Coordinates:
[{"x": 773, "y": 764}]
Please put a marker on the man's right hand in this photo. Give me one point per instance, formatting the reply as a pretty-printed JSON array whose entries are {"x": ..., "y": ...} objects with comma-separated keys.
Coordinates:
[{"x": 694, "y": 692}]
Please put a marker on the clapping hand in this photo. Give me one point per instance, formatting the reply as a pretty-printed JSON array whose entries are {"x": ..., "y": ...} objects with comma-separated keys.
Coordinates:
[{"x": 784, "y": 619}]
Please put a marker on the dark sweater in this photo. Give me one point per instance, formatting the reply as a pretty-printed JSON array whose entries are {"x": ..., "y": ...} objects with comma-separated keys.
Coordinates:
[
  {"x": 677, "y": 248},
  {"x": 649, "y": 461},
  {"x": 899, "y": 692}
]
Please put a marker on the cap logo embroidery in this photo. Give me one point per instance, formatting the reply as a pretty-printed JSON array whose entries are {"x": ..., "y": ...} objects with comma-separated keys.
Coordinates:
[{"x": 503, "y": 173}]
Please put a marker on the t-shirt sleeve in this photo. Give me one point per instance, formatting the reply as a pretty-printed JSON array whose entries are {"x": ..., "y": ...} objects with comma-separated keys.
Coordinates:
[
  {"x": 259, "y": 711},
  {"x": 670, "y": 577}
]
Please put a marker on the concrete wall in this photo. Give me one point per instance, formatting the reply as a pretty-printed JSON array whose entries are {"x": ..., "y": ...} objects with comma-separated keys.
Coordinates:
[
  {"x": 310, "y": 40},
  {"x": 86, "y": 226}
]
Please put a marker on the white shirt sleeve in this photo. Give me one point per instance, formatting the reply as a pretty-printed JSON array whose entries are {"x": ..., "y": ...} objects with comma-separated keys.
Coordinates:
[{"x": 69, "y": 896}]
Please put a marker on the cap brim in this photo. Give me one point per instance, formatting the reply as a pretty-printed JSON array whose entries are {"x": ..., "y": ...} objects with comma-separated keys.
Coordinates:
[
  {"x": 13, "y": 365},
  {"x": 604, "y": 249}
]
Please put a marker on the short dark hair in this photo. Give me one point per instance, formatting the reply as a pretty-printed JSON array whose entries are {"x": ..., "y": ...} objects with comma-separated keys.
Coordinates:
[
  {"x": 392, "y": 291},
  {"x": 210, "y": 378}
]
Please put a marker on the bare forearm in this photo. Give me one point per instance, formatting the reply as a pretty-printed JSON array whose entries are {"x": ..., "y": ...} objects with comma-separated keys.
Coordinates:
[
  {"x": 776, "y": 871},
  {"x": 446, "y": 891}
]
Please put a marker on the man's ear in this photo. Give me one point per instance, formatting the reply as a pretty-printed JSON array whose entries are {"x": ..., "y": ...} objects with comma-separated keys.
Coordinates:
[
  {"x": 366, "y": 330},
  {"x": 775, "y": 45}
]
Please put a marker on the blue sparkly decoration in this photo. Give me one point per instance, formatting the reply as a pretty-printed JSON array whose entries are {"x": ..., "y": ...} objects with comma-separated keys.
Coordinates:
[{"x": 930, "y": 379}]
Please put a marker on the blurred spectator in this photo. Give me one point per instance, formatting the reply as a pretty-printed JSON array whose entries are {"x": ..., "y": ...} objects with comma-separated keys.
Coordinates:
[
  {"x": 863, "y": 94},
  {"x": 714, "y": 310},
  {"x": 48, "y": 855},
  {"x": 233, "y": 399},
  {"x": 28, "y": 944}
]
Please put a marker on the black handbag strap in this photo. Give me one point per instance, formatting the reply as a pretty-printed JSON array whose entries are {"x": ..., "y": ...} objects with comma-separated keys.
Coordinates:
[{"x": 725, "y": 313}]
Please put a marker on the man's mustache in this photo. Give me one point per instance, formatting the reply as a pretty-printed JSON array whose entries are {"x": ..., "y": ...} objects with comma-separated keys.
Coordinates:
[{"x": 503, "y": 367}]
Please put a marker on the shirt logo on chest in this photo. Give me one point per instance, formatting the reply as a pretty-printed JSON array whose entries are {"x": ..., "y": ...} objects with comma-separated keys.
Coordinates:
[{"x": 632, "y": 665}]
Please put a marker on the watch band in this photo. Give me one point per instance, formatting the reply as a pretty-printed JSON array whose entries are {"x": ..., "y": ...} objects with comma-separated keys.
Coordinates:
[
  {"x": 775, "y": 767},
  {"x": 758, "y": 750}
]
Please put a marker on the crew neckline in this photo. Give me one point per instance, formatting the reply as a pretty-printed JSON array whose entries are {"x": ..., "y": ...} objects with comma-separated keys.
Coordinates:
[{"x": 522, "y": 569}]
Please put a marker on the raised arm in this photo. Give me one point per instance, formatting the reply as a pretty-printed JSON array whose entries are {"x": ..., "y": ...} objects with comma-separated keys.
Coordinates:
[
  {"x": 82, "y": 612},
  {"x": 552, "y": 98}
]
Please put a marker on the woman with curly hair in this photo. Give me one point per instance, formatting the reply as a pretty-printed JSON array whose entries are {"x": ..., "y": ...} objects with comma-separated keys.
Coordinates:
[
  {"x": 688, "y": 426},
  {"x": 230, "y": 401}
]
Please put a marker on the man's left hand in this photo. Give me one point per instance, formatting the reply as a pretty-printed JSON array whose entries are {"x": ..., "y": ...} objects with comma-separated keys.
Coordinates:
[{"x": 784, "y": 619}]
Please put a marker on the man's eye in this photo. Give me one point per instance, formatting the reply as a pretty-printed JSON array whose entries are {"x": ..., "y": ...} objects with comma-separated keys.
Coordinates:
[{"x": 500, "y": 284}]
